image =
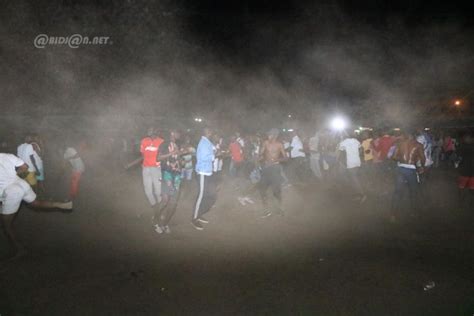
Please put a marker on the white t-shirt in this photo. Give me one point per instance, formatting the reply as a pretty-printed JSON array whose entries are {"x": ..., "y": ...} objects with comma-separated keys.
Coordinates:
[
  {"x": 351, "y": 147},
  {"x": 241, "y": 142},
  {"x": 314, "y": 145},
  {"x": 24, "y": 151},
  {"x": 8, "y": 163},
  {"x": 297, "y": 146},
  {"x": 76, "y": 163}
]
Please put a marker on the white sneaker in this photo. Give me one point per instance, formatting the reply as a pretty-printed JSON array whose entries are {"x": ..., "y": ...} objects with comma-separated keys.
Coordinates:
[
  {"x": 158, "y": 229},
  {"x": 241, "y": 201},
  {"x": 249, "y": 200},
  {"x": 65, "y": 206}
]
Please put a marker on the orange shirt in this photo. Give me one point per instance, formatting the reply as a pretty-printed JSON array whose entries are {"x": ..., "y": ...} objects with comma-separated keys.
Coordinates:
[
  {"x": 236, "y": 151},
  {"x": 149, "y": 149}
]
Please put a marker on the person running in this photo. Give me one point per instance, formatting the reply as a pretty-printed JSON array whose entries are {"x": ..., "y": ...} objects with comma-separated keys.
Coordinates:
[
  {"x": 272, "y": 154},
  {"x": 71, "y": 155},
  {"x": 466, "y": 169},
  {"x": 351, "y": 146},
  {"x": 205, "y": 156},
  {"x": 151, "y": 170},
  {"x": 26, "y": 153},
  {"x": 169, "y": 157},
  {"x": 408, "y": 154},
  {"x": 13, "y": 190}
]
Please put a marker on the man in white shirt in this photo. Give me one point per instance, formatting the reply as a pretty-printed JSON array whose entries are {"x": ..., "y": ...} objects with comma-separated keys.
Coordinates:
[
  {"x": 315, "y": 155},
  {"x": 26, "y": 153},
  {"x": 298, "y": 157},
  {"x": 351, "y": 146},
  {"x": 14, "y": 190}
]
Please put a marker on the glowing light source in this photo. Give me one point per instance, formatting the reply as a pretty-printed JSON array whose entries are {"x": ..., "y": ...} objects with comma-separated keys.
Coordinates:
[
  {"x": 198, "y": 119},
  {"x": 338, "y": 124},
  {"x": 457, "y": 102},
  {"x": 289, "y": 115}
]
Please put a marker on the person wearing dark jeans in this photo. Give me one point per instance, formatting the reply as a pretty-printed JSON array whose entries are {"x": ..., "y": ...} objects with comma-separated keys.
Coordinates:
[
  {"x": 405, "y": 178},
  {"x": 409, "y": 153},
  {"x": 271, "y": 178}
]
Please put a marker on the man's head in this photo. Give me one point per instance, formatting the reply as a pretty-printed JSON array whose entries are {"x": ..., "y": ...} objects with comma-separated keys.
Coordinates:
[
  {"x": 409, "y": 134},
  {"x": 351, "y": 134},
  {"x": 273, "y": 134},
  {"x": 152, "y": 132},
  {"x": 174, "y": 134},
  {"x": 207, "y": 132},
  {"x": 22, "y": 171}
]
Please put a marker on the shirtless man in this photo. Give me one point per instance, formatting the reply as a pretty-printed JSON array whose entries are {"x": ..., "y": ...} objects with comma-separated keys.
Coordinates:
[
  {"x": 409, "y": 154},
  {"x": 272, "y": 154}
]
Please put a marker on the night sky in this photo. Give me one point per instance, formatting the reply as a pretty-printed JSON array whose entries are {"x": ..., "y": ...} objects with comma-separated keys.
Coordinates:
[{"x": 234, "y": 57}]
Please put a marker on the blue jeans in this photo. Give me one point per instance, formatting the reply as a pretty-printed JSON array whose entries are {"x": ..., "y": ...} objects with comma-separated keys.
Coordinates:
[{"x": 406, "y": 178}]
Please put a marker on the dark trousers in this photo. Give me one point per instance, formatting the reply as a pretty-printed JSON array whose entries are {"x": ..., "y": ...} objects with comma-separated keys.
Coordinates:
[
  {"x": 207, "y": 195},
  {"x": 298, "y": 169},
  {"x": 405, "y": 179},
  {"x": 271, "y": 177}
]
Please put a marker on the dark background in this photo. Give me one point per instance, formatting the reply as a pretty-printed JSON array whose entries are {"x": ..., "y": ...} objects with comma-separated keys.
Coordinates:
[{"x": 235, "y": 59}]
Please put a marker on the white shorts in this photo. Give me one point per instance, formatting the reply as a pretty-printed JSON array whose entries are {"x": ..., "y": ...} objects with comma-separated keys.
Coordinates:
[{"x": 13, "y": 194}]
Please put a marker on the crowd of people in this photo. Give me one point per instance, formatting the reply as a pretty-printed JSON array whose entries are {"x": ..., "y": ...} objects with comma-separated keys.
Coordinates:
[
  {"x": 252, "y": 163},
  {"x": 276, "y": 160}
]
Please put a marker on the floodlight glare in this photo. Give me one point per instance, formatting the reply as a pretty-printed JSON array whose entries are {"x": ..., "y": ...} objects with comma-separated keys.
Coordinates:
[{"x": 338, "y": 124}]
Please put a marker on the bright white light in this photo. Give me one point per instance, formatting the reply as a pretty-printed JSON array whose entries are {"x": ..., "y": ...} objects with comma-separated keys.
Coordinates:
[
  {"x": 289, "y": 115},
  {"x": 290, "y": 130},
  {"x": 338, "y": 124},
  {"x": 197, "y": 119}
]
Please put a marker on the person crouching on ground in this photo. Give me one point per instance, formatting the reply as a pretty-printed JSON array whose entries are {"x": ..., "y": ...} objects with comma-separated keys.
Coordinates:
[{"x": 13, "y": 190}]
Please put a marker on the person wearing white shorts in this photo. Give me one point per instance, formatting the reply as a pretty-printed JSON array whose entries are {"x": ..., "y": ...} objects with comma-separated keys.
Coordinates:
[{"x": 14, "y": 190}]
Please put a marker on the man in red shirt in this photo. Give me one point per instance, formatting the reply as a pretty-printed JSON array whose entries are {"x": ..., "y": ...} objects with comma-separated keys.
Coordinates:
[
  {"x": 237, "y": 156},
  {"x": 383, "y": 145},
  {"x": 151, "y": 169}
]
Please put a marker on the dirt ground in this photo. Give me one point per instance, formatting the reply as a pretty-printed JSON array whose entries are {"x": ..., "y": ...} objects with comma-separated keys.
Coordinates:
[{"x": 327, "y": 256}]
